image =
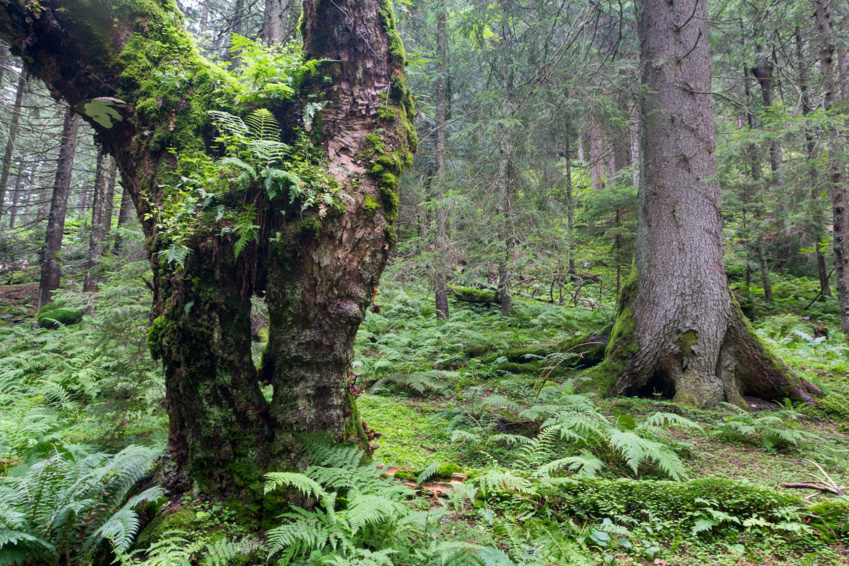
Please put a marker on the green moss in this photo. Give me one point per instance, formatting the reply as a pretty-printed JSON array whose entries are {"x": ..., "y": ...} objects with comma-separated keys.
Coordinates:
[
  {"x": 622, "y": 343},
  {"x": 472, "y": 295},
  {"x": 58, "y": 317},
  {"x": 831, "y": 519},
  {"x": 370, "y": 205},
  {"x": 685, "y": 344},
  {"x": 180, "y": 519},
  {"x": 667, "y": 500},
  {"x": 156, "y": 336},
  {"x": 687, "y": 398}
]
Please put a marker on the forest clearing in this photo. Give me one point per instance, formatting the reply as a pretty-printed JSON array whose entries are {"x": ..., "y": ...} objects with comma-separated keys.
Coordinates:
[{"x": 424, "y": 282}]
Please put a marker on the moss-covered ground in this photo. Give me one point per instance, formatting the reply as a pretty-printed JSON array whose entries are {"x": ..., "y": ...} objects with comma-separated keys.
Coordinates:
[{"x": 473, "y": 392}]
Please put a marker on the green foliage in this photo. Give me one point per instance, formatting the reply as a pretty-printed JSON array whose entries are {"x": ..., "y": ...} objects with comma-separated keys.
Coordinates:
[
  {"x": 358, "y": 518},
  {"x": 58, "y": 317},
  {"x": 269, "y": 73},
  {"x": 67, "y": 505},
  {"x": 771, "y": 431}
]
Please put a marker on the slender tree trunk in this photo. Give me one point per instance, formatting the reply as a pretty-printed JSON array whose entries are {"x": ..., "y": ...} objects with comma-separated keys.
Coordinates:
[
  {"x": 815, "y": 220},
  {"x": 51, "y": 254},
  {"x": 204, "y": 16},
  {"x": 836, "y": 178},
  {"x": 597, "y": 157},
  {"x": 440, "y": 271},
  {"x": 95, "y": 245},
  {"x": 123, "y": 215},
  {"x": 13, "y": 134},
  {"x": 275, "y": 23},
  {"x": 504, "y": 227},
  {"x": 111, "y": 167},
  {"x": 13, "y": 211},
  {"x": 570, "y": 209},
  {"x": 679, "y": 330}
]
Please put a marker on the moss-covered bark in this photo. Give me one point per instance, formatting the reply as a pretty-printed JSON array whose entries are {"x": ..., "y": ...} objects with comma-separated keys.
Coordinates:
[{"x": 132, "y": 71}]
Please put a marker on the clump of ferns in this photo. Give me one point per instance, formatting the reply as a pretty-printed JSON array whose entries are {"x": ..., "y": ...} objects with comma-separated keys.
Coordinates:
[
  {"x": 777, "y": 430},
  {"x": 67, "y": 506},
  {"x": 418, "y": 382},
  {"x": 358, "y": 516},
  {"x": 576, "y": 438}
]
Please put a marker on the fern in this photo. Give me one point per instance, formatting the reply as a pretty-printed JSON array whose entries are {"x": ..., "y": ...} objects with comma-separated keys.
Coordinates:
[
  {"x": 307, "y": 486},
  {"x": 263, "y": 125},
  {"x": 62, "y": 505},
  {"x": 637, "y": 450}
]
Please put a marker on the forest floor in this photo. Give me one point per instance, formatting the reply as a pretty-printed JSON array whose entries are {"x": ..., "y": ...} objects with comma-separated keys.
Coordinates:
[{"x": 489, "y": 412}]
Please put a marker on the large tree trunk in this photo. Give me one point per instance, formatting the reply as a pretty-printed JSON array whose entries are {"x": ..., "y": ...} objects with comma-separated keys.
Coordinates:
[
  {"x": 10, "y": 143},
  {"x": 440, "y": 269},
  {"x": 317, "y": 268},
  {"x": 51, "y": 253},
  {"x": 679, "y": 330},
  {"x": 836, "y": 178}
]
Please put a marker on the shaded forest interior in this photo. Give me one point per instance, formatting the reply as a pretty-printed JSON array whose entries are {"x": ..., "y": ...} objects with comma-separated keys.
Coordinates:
[{"x": 428, "y": 282}]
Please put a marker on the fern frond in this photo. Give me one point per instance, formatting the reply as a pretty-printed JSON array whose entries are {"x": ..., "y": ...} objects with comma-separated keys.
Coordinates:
[
  {"x": 263, "y": 125},
  {"x": 306, "y": 485}
]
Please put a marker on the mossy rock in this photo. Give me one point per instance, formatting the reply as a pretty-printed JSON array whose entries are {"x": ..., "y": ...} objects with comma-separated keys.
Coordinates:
[
  {"x": 58, "y": 317},
  {"x": 585, "y": 350},
  {"x": 833, "y": 405},
  {"x": 831, "y": 519},
  {"x": 445, "y": 472},
  {"x": 472, "y": 295},
  {"x": 667, "y": 500},
  {"x": 181, "y": 519}
]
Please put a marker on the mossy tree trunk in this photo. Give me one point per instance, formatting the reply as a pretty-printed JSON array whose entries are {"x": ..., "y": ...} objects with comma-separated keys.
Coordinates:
[
  {"x": 317, "y": 270},
  {"x": 679, "y": 330}
]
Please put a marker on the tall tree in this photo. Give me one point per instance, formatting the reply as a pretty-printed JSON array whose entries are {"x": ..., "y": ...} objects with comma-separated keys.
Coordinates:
[
  {"x": 51, "y": 253},
  {"x": 6, "y": 167},
  {"x": 98, "y": 210},
  {"x": 837, "y": 177},
  {"x": 815, "y": 220},
  {"x": 679, "y": 330},
  {"x": 440, "y": 271},
  {"x": 317, "y": 265},
  {"x": 275, "y": 22}
]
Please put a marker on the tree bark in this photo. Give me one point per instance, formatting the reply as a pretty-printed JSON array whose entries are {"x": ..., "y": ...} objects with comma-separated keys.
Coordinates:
[
  {"x": 95, "y": 244},
  {"x": 440, "y": 271},
  {"x": 10, "y": 143},
  {"x": 275, "y": 22},
  {"x": 123, "y": 215},
  {"x": 109, "y": 201},
  {"x": 13, "y": 211},
  {"x": 570, "y": 209},
  {"x": 815, "y": 220},
  {"x": 836, "y": 178},
  {"x": 318, "y": 269},
  {"x": 679, "y": 330},
  {"x": 51, "y": 253},
  {"x": 504, "y": 226}
]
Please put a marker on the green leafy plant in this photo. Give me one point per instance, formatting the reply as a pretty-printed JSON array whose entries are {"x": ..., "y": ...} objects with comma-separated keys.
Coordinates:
[{"x": 67, "y": 506}]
